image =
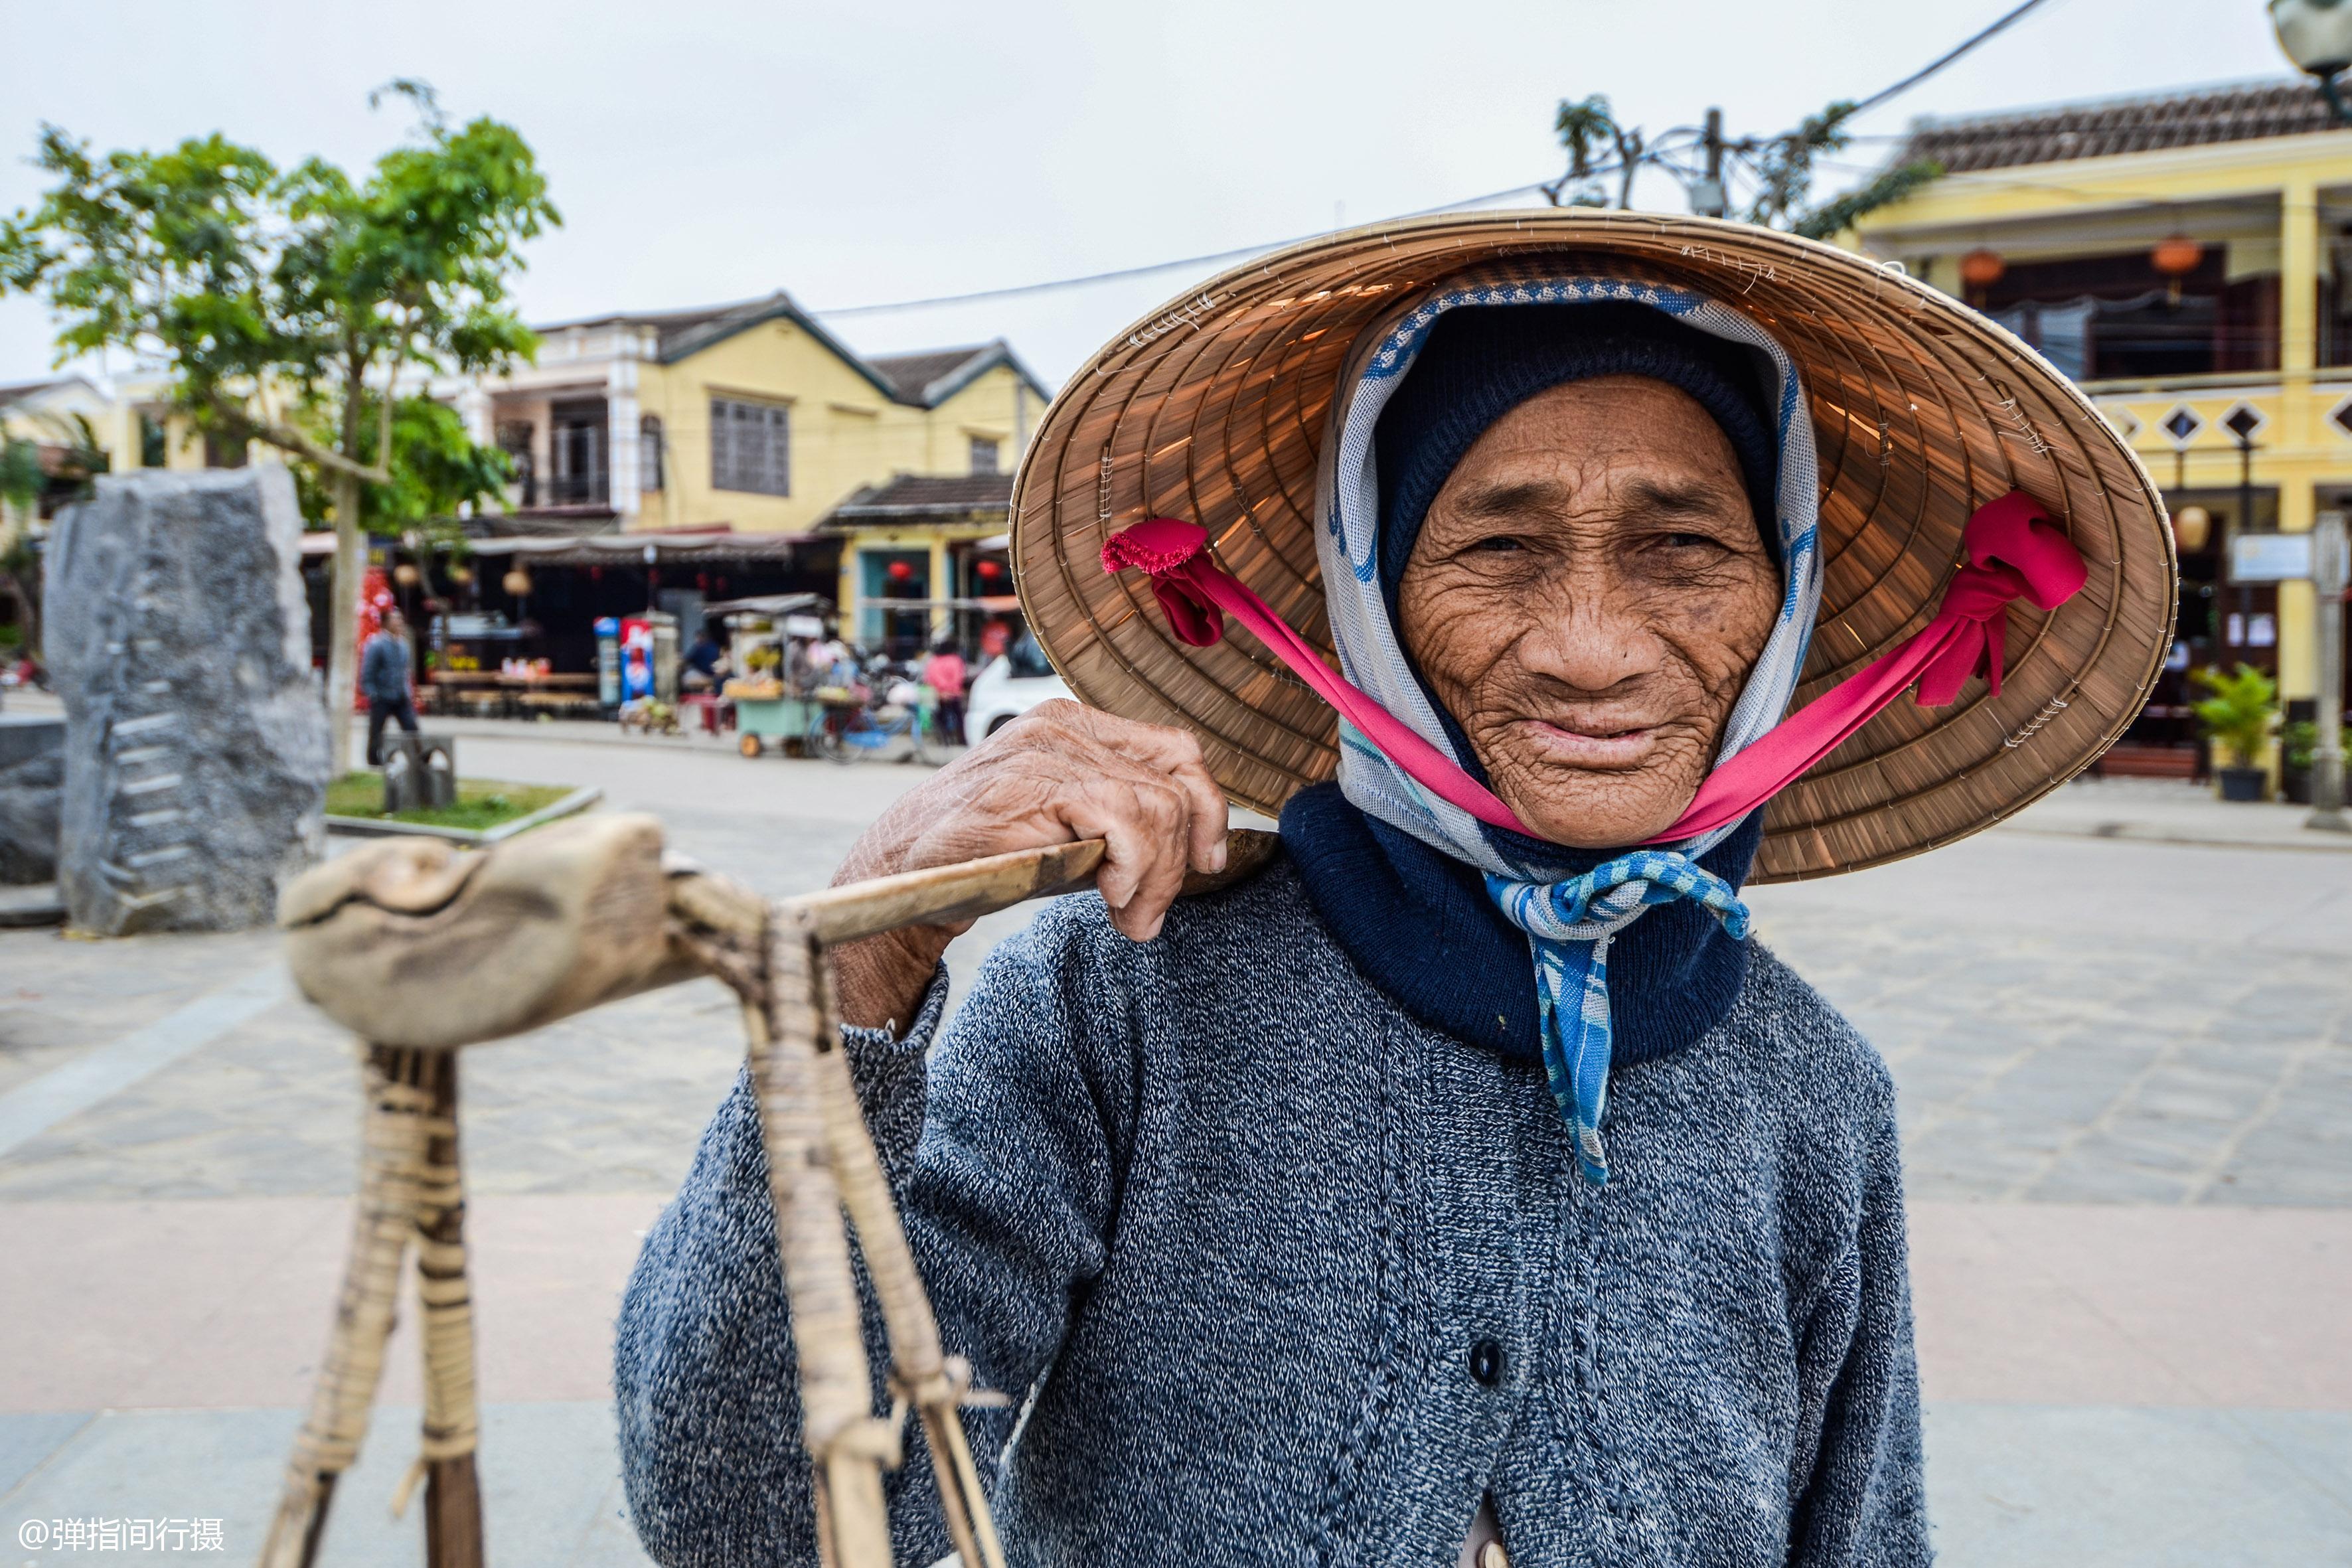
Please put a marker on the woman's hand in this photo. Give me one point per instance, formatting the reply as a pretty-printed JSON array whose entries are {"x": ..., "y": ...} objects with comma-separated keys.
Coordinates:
[{"x": 1059, "y": 773}]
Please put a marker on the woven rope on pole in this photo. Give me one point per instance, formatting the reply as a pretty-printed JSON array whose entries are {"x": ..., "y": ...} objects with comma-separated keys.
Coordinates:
[
  {"x": 397, "y": 1128},
  {"x": 451, "y": 1428}
]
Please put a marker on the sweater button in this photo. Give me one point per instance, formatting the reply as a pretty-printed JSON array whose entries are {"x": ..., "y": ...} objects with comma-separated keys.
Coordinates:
[{"x": 1487, "y": 1363}]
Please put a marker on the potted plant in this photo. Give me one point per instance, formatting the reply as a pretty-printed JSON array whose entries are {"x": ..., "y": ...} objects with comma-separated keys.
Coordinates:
[
  {"x": 2238, "y": 717},
  {"x": 2298, "y": 744}
]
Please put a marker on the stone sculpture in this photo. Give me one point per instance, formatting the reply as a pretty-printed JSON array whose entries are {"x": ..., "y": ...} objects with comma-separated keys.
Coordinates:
[
  {"x": 32, "y": 775},
  {"x": 179, "y": 636}
]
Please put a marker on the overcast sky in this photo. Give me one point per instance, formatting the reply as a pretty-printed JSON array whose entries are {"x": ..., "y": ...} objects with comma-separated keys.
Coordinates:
[{"x": 712, "y": 150}]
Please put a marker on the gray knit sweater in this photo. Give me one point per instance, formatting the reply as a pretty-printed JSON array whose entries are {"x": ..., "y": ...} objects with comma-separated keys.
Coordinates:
[{"x": 1275, "y": 1274}]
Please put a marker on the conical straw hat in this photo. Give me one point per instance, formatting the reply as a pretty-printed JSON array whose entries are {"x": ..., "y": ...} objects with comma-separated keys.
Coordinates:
[{"x": 1213, "y": 410}]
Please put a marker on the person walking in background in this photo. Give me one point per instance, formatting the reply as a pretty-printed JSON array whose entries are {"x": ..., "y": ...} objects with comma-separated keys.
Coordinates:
[
  {"x": 946, "y": 673},
  {"x": 706, "y": 662},
  {"x": 383, "y": 681}
]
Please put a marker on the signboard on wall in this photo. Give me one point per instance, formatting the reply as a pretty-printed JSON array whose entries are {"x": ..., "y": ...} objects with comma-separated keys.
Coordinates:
[{"x": 2270, "y": 557}]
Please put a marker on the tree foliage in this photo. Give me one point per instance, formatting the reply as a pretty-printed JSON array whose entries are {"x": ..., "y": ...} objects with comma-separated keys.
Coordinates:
[
  {"x": 287, "y": 303},
  {"x": 1778, "y": 170},
  {"x": 275, "y": 298},
  {"x": 436, "y": 469}
]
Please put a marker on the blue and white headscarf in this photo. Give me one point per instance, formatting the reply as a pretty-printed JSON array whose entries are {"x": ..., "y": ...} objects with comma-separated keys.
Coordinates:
[{"x": 1569, "y": 922}]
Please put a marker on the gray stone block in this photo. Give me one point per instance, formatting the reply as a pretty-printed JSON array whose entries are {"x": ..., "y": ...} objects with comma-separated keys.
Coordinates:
[
  {"x": 32, "y": 778},
  {"x": 195, "y": 751}
]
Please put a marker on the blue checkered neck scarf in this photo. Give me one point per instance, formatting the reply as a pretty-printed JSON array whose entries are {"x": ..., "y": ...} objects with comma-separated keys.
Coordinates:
[{"x": 1569, "y": 922}]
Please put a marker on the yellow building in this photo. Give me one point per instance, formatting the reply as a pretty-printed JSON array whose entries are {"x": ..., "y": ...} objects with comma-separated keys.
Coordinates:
[
  {"x": 2184, "y": 260},
  {"x": 128, "y": 417},
  {"x": 750, "y": 416},
  {"x": 752, "y": 419}
]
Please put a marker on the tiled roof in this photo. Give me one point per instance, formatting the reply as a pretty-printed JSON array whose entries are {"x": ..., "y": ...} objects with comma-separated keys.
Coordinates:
[
  {"x": 925, "y": 378},
  {"x": 914, "y": 496},
  {"x": 671, "y": 324},
  {"x": 16, "y": 391},
  {"x": 909, "y": 375},
  {"x": 2100, "y": 130}
]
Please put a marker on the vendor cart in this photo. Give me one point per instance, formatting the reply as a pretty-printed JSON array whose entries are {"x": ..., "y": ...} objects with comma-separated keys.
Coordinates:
[{"x": 765, "y": 711}]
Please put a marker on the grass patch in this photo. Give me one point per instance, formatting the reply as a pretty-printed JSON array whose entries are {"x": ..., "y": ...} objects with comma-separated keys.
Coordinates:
[{"x": 481, "y": 802}]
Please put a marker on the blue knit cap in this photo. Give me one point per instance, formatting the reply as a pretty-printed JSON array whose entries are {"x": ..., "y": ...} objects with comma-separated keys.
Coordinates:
[{"x": 1479, "y": 365}]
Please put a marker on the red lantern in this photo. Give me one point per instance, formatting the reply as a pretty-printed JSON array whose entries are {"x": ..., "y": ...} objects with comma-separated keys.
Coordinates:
[
  {"x": 990, "y": 570},
  {"x": 2176, "y": 259},
  {"x": 1980, "y": 269},
  {"x": 901, "y": 571},
  {"x": 702, "y": 581},
  {"x": 595, "y": 573}
]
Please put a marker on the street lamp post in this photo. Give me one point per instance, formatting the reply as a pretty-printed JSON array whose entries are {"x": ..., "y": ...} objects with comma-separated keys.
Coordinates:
[
  {"x": 2331, "y": 565},
  {"x": 2245, "y": 433},
  {"x": 2317, "y": 36}
]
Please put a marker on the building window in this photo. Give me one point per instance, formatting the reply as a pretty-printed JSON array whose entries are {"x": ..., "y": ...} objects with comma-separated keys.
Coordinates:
[
  {"x": 649, "y": 452},
  {"x": 154, "y": 449},
  {"x": 2107, "y": 318},
  {"x": 750, "y": 447},
  {"x": 984, "y": 454},
  {"x": 514, "y": 440},
  {"x": 576, "y": 474}
]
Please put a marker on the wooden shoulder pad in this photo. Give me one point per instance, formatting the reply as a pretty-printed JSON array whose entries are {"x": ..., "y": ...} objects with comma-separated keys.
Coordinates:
[{"x": 1248, "y": 851}]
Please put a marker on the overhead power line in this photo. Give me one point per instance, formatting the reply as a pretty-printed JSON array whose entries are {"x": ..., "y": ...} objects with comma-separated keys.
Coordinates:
[
  {"x": 1085, "y": 279},
  {"x": 1998, "y": 24},
  {"x": 1113, "y": 276}
]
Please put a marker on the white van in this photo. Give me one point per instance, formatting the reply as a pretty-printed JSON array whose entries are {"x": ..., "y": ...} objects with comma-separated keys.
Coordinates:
[{"x": 1008, "y": 686}]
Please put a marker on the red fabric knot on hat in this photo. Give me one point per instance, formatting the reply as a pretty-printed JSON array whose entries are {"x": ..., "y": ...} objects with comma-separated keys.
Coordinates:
[
  {"x": 1163, "y": 548},
  {"x": 2014, "y": 551}
]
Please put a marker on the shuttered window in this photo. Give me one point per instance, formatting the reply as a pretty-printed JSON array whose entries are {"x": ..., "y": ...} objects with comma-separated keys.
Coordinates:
[{"x": 750, "y": 447}]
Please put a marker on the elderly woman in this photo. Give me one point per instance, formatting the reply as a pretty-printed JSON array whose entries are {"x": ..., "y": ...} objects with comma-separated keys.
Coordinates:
[{"x": 1465, "y": 1182}]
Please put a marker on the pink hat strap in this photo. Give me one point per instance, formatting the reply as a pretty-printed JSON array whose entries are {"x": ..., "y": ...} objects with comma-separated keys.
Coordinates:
[
  {"x": 1196, "y": 594},
  {"x": 2014, "y": 551}
]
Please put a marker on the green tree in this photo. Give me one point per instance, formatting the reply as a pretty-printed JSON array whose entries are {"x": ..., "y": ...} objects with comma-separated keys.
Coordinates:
[
  {"x": 1779, "y": 169},
  {"x": 1783, "y": 169},
  {"x": 286, "y": 301}
]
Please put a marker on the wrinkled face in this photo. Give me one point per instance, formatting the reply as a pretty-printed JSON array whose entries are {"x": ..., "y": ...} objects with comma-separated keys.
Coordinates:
[{"x": 1587, "y": 597}]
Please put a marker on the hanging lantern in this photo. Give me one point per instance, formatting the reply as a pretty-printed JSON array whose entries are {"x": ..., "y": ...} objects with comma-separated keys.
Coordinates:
[
  {"x": 595, "y": 573},
  {"x": 406, "y": 574},
  {"x": 901, "y": 571},
  {"x": 1982, "y": 268},
  {"x": 516, "y": 582},
  {"x": 990, "y": 570},
  {"x": 461, "y": 575},
  {"x": 2191, "y": 527},
  {"x": 2176, "y": 259},
  {"x": 702, "y": 581}
]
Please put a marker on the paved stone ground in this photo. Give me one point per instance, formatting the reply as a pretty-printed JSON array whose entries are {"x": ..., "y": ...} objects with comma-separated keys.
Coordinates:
[{"x": 2070, "y": 1021}]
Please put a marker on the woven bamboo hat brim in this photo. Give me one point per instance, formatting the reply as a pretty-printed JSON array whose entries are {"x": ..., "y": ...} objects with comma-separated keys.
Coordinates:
[{"x": 1214, "y": 409}]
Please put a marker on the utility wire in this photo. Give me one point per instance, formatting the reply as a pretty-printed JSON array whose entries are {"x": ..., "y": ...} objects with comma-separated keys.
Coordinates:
[
  {"x": 1018, "y": 290},
  {"x": 1112, "y": 277},
  {"x": 1939, "y": 62}
]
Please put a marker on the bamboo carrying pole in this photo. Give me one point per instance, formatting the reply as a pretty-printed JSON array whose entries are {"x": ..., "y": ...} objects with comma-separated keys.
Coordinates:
[
  {"x": 362, "y": 928},
  {"x": 407, "y": 1112}
]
